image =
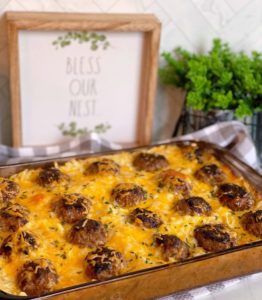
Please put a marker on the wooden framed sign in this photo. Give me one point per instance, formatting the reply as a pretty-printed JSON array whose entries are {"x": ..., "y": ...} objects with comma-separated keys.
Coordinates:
[{"x": 71, "y": 74}]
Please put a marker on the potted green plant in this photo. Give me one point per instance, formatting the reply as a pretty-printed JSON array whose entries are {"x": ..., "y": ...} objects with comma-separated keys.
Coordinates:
[
  {"x": 220, "y": 85},
  {"x": 221, "y": 79}
]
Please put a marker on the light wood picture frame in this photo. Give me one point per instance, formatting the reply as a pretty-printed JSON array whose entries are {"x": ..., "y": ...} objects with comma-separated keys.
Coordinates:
[{"x": 28, "y": 85}]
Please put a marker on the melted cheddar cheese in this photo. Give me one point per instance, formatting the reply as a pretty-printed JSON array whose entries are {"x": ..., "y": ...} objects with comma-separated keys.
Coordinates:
[{"x": 134, "y": 242}]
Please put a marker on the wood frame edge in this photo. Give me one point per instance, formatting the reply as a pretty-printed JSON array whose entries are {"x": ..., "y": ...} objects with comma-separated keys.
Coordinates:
[{"x": 148, "y": 80}]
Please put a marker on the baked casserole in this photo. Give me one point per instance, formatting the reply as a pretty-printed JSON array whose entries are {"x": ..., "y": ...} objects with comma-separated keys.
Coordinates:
[{"x": 95, "y": 218}]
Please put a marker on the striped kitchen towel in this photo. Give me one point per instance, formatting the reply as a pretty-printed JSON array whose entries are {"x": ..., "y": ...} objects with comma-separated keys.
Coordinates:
[
  {"x": 80, "y": 145},
  {"x": 233, "y": 135}
]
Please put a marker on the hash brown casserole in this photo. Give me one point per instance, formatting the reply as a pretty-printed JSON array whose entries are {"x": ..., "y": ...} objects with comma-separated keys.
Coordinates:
[{"x": 94, "y": 218}]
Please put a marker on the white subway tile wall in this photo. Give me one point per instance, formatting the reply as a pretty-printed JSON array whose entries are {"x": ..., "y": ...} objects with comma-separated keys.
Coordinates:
[{"x": 191, "y": 24}]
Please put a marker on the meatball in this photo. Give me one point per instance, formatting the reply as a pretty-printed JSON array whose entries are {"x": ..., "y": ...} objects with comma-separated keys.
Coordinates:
[
  {"x": 12, "y": 217},
  {"x": 146, "y": 218},
  {"x": 104, "y": 263},
  {"x": 128, "y": 194},
  {"x": 175, "y": 182},
  {"x": 150, "y": 162},
  {"x": 103, "y": 167},
  {"x": 37, "y": 277},
  {"x": 192, "y": 152},
  {"x": 72, "y": 207},
  {"x": 214, "y": 237},
  {"x": 19, "y": 242},
  {"x": 88, "y": 233},
  {"x": 252, "y": 222},
  {"x": 51, "y": 175},
  {"x": 194, "y": 206},
  {"x": 8, "y": 190},
  {"x": 234, "y": 196},
  {"x": 210, "y": 174},
  {"x": 172, "y": 247}
]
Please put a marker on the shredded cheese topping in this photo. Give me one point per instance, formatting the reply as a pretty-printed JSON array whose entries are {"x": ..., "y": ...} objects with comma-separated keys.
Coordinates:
[{"x": 134, "y": 242}]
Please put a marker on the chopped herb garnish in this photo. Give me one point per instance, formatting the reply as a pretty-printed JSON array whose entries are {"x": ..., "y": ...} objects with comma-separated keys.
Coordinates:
[
  {"x": 23, "y": 195},
  {"x": 55, "y": 243},
  {"x": 53, "y": 228},
  {"x": 132, "y": 252}
]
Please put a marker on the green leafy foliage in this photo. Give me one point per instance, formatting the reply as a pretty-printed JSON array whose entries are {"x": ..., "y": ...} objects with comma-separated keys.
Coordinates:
[
  {"x": 72, "y": 130},
  {"x": 95, "y": 40},
  {"x": 219, "y": 79}
]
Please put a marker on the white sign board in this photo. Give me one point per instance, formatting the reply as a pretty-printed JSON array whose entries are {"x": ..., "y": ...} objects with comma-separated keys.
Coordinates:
[
  {"x": 75, "y": 73},
  {"x": 77, "y": 82}
]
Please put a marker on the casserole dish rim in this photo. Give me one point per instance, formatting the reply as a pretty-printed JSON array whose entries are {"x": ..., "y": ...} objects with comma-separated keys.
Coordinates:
[{"x": 222, "y": 154}]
